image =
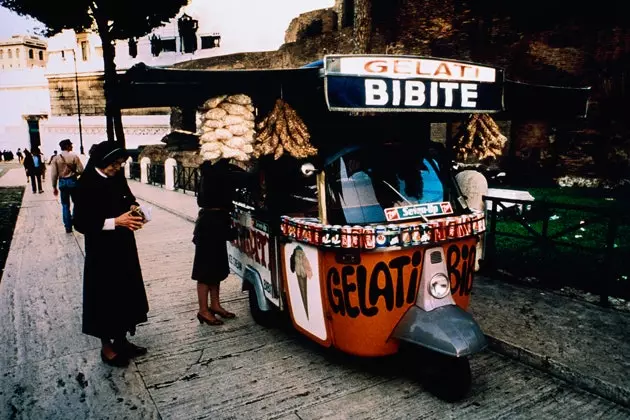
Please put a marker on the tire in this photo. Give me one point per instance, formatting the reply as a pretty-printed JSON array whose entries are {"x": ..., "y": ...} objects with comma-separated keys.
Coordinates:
[
  {"x": 264, "y": 318},
  {"x": 448, "y": 378}
]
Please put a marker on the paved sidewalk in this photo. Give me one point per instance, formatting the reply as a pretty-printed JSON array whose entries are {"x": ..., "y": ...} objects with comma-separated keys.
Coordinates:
[{"x": 240, "y": 370}]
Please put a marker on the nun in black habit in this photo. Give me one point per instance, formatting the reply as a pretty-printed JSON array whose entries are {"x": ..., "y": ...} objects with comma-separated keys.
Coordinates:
[{"x": 114, "y": 298}]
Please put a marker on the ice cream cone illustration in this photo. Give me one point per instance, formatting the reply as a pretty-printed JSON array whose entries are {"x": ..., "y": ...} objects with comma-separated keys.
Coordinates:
[{"x": 302, "y": 269}]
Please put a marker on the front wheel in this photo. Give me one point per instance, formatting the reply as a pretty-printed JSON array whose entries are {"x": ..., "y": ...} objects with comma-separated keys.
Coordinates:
[
  {"x": 448, "y": 378},
  {"x": 264, "y": 318}
]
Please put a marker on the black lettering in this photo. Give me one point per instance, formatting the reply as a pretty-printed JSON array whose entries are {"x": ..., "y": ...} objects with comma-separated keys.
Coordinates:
[
  {"x": 362, "y": 283},
  {"x": 387, "y": 292},
  {"x": 470, "y": 274},
  {"x": 452, "y": 262},
  {"x": 335, "y": 296},
  {"x": 348, "y": 288},
  {"x": 399, "y": 264},
  {"x": 413, "y": 279}
]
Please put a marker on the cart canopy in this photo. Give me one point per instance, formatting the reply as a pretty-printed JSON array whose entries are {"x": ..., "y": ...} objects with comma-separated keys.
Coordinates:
[{"x": 365, "y": 83}]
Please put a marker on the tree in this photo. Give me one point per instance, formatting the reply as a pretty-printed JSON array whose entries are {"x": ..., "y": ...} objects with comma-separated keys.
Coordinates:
[
  {"x": 113, "y": 20},
  {"x": 362, "y": 26}
]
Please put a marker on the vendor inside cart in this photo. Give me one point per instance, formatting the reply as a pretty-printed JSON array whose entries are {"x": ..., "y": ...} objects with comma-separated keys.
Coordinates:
[{"x": 364, "y": 181}]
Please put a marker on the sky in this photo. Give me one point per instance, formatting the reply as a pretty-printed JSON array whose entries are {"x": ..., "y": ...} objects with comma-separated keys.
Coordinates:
[{"x": 244, "y": 25}]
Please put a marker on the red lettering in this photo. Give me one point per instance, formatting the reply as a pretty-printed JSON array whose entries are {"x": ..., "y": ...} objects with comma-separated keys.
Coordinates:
[
  {"x": 376, "y": 66},
  {"x": 443, "y": 69},
  {"x": 402, "y": 67},
  {"x": 419, "y": 69}
]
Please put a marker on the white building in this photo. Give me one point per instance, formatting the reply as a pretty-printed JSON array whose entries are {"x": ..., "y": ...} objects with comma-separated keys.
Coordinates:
[
  {"x": 22, "y": 52},
  {"x": 30, "y": 99},
  {"x": 31, "y": 116}
]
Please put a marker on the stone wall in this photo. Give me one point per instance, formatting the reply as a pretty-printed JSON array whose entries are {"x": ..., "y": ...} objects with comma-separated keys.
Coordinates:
[
  {"x": 314, "y": 23},
  {"x": 63, "y": 99}
]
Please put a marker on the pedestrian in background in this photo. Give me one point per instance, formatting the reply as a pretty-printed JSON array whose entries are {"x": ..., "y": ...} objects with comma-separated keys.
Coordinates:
[
  {"x": 53, "y": 156},
  {"x": 19, "y": 155},
  {"x": 65, "y": 170},
  {"x": 114, "y": 298},
  {"x": 34, "y": 165},
  {"x": 217, "y": 186}
]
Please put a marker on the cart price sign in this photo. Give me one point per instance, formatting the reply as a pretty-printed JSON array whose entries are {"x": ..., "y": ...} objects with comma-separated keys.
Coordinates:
[
  {"x": 381, "y": 83},
  {"x": 416, "y": 211}
]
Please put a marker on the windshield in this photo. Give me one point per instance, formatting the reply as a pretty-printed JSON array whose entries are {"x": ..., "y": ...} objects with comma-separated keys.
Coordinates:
[{"x": 363, "y": 182}]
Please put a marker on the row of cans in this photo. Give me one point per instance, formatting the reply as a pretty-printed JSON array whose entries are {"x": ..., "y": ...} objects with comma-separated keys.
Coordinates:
[{"x": 381, "y": 236}]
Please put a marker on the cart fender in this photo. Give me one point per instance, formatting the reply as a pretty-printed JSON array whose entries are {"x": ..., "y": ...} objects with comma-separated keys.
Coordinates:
[
  {"x": 252, "y": 281},
  {"x": 448, "y": 329}
]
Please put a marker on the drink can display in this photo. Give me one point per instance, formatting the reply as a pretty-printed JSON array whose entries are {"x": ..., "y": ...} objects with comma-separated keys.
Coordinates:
[
  {"x": 299, "y": 227},
  {"x": 416, "y": 234},
  {"x": 464, "y": 226},
  {"x": 291, "y": 229},
  {"x": 451, "y": 227},
  {"x": 284, "y": 225},
  {"x": 346, "y": 236},
  {"x": 369, "y": 237},
  {"x": 380, "y": 236},
  {"x": 316, "y": 238},
  {"x": 405, "y": 235},
  {"x": 393, "y": 235},
  {"x": 307, "y": 232},
  {"x": 326, "y": 236},
  {"x": 481, "y": 223},
  {"x": 357, "y": 231},
  {"x": 335, "y": 235},
  {"x": 437, "y": 231}
]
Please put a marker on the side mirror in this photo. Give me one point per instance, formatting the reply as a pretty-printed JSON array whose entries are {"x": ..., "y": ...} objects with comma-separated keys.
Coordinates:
[{"x": 308, "y": 170}]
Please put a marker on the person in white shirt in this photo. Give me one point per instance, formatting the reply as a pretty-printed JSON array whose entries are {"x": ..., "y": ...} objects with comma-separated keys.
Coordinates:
[{"x": 65, "y": 170}]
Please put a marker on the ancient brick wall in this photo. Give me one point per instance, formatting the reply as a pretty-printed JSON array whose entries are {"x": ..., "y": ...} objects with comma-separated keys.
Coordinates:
[
  {"x": 63, "y": 100},
  {"x": 311, "y": 24}
]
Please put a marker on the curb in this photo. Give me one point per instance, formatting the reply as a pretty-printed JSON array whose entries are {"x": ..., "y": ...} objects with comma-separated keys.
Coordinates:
[
  {"x": 167, "y": 209},
  {"x": 594, "y": 385}
]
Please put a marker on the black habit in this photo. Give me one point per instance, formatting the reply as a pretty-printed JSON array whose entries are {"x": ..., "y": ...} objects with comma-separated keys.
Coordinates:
[{"x": 114, "y": 298}]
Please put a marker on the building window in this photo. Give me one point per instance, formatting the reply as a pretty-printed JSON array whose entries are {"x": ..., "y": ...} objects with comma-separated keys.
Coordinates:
[
  {"x": 41, "y": 55},
  {"x": 85, "y": 53},
  {"x": 1, "y": 54},
  {"x": 169, "y": 45},
  {"x": 210, "y": 41},
  {"x": 30, "y": 53},
  {"x": 9, "y": 53},
  {"x": 17, "y": 53}
]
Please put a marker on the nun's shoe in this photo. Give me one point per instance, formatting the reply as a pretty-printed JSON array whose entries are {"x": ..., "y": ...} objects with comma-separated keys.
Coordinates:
[
  {"x": 222, "y": 313},
  {"x": 130, "y": 350},
  {"x": 119, "y": 360},
  {"x": 214, "y": 321}
]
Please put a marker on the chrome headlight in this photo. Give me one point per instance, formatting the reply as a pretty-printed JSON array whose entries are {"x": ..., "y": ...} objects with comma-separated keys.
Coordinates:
[{"x": 439, "y": 286}]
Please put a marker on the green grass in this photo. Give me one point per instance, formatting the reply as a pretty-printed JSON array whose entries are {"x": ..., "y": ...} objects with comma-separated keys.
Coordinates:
[{"x": 561, "y": 265}]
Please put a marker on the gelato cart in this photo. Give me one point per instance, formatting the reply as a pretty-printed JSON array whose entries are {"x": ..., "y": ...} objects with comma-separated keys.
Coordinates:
[{"x": 355, "y": 228}]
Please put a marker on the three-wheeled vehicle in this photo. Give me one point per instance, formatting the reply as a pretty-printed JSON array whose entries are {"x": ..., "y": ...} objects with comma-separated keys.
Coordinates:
[{"x": 368, "y": 244}]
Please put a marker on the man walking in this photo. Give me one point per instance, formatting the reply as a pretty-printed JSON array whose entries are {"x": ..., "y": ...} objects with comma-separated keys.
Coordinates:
[{"x": 65, "y": 168}]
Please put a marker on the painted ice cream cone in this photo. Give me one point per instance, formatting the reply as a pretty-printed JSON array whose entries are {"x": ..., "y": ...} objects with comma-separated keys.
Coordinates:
[
  {"x": 303, "y": 292},
  {"x": 302, "y": 269}
]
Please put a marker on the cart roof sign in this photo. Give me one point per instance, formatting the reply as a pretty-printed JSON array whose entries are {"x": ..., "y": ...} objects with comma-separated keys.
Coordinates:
[{"x": 385, "y": 83}]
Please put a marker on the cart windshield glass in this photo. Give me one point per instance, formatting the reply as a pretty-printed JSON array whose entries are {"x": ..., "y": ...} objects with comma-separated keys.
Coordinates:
[{"x": 363, "y": 182}]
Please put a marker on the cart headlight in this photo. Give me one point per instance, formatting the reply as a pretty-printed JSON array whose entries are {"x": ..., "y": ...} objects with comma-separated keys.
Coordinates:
[{"x": 439, "y": 286}]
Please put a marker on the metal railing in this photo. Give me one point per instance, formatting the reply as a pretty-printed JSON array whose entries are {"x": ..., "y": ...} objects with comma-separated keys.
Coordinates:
[
  {"x": 563, "y": 244},
  {"x": 134, "y": 170},
  {"x": 187, "y": 178},
  {"x": 155, "y": 174}
]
